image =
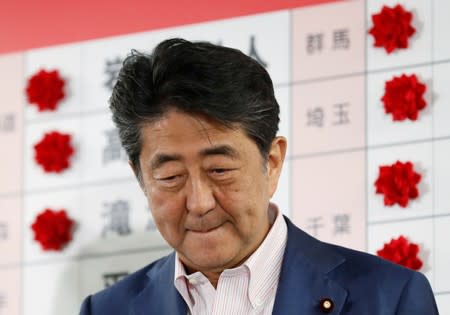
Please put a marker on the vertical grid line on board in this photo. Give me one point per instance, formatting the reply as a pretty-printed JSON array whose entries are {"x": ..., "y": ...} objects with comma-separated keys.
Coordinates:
[
  {"x": 80, "y": 281},
  {"x": 291, "y": 108},
  {"x": 433, "y": 142},
  {"x": 366, "y": 129},
  {"x": 22, "y": 194}
]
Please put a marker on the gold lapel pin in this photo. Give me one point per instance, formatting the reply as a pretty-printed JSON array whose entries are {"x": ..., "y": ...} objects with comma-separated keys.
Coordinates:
[{"x": 326, "y": 305}]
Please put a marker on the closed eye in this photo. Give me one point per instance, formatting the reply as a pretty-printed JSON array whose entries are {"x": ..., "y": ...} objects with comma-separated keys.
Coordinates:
[
  {"x": 170, "y": 181},
  {"x": 222, "y": 173},
  {"x": 219, "y": 170}
]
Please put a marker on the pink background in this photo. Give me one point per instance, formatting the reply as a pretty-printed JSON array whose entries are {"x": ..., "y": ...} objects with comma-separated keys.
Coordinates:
[
  {"x": 331, "y": 185},
  {"x": 326, "y": 19},
  {"x": 311, "y": 139},
  {"x": 12, "y": 87}
]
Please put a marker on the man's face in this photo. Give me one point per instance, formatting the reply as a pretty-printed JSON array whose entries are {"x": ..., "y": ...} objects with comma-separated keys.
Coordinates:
[{"x": 207, "y": 189}]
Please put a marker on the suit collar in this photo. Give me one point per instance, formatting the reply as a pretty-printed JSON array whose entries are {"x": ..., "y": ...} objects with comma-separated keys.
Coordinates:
[
  {"x": 160, "y": 295},
  {"x": 304, "y": 278},
  {"x": 304, "y": 281}
]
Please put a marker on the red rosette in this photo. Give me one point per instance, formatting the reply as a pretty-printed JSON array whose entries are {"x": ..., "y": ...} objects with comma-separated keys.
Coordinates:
[
  {"x": 392, "y": 28},
  {"x": 402, "y": 252},
  {"x": 45, "y": 90},
  {"x": 398, "y": 183},
  {"x": 53, "y": 152},
  {"x": 404, "y": 97},
  {"x": 53, "y": 229}
]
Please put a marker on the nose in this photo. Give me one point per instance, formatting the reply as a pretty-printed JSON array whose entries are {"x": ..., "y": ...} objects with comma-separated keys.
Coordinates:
[{"x": 200, "y": 197}]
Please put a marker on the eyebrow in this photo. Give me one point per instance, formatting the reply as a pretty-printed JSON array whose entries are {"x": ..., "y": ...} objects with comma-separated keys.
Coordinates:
[
  {"x": 162, "y": 158},
  {"x": 225, "y": 150}
]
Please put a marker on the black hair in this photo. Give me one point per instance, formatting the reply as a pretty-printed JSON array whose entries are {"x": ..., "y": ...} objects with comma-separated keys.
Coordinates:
[{"x": 197, "y": 78}]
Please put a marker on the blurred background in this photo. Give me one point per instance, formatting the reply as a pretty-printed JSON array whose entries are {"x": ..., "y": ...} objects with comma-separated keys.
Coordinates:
[{"x": 352, "y": 100}]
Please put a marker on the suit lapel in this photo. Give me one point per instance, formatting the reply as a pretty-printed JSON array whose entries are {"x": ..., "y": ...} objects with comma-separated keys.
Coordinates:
[
  {"x": 160, "y": 295},
  {"x": 303, "y": 283},
  {"x": 304, "y": 280}
]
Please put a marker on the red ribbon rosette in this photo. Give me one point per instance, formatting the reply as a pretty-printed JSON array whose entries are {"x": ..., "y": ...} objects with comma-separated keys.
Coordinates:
[
  {"x": 45, "y": 90},
  {"x": 53, "y": 229},
  {"x": 53, "y": 152},
  {"x": 402, "y": 252},
  {"x": 404, "y": 97},
  {"x": 398, "y": 183},
  {"x": 392, "y": 28}
]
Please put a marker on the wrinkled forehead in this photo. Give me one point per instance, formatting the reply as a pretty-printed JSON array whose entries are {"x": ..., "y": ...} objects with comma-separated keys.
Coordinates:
[
  {"x": 178, "y": 122},
  {"x": 176, "y": 131}
]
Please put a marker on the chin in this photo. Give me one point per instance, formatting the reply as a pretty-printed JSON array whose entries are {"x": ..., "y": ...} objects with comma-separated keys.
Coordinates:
[{"x": 216, "y": 260}]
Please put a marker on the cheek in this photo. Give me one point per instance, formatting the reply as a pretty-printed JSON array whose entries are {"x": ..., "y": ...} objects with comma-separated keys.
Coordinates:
[
  {"x": 168, "y": 213},
  {"x": 247, "y": 202},
  {"x": 249, "y": 189},
  {"x": 162, "y": 202},
  {"x": 243, "y": 202}
]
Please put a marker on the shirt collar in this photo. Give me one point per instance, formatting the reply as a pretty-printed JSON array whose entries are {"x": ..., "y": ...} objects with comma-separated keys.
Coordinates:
[{"x": 264, "y": 264}]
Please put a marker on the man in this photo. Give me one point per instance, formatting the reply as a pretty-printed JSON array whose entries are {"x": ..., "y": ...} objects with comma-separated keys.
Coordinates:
[{"x": 199, "y": 124}]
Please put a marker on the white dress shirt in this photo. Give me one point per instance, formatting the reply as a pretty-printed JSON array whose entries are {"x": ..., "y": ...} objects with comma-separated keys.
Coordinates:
[{"x": 247, "y": 289}]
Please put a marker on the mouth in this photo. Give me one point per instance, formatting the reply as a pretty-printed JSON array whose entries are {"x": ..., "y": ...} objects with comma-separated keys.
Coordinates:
[{"x": 204, "y": 230}]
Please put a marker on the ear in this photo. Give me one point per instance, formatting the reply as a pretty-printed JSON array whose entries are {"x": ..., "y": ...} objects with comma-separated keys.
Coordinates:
[
  {"x": 138, "y": 176},
  {"x": 275, "y": 161}
]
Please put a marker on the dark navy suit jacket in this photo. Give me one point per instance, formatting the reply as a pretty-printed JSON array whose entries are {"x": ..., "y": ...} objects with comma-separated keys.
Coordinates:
[{"x": 357, "y": 283}]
